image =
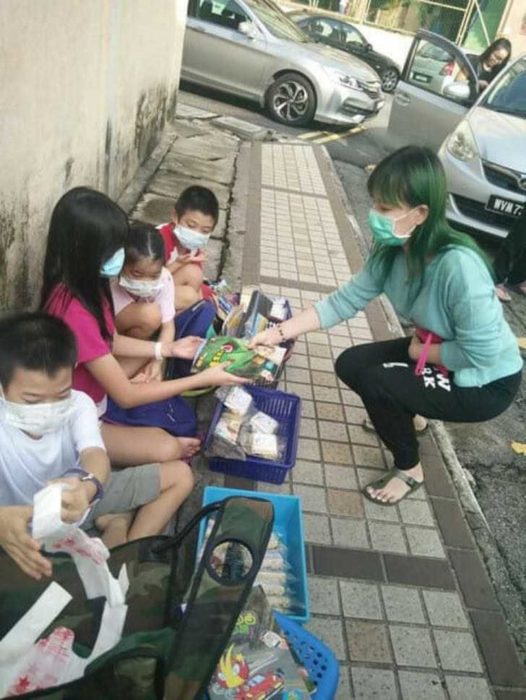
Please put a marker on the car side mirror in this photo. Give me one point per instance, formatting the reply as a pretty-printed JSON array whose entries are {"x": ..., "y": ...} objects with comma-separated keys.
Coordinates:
[
  {"x": 368, "y": 47},
  {"x": 248, "y": 29},
  {"x": 459, "y": 91}
]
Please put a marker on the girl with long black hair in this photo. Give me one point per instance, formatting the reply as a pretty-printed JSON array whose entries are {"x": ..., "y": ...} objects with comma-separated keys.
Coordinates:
[{"x": 85, "y": 249}]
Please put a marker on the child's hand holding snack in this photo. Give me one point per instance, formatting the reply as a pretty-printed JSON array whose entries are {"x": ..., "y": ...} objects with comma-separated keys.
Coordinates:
[
  {"x": 76, "y": 497},
  {"x": 218, "y": 376}
]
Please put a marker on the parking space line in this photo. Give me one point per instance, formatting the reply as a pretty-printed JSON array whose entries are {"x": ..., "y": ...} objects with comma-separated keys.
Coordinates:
[
  {"x": 342, "y": 135},
  {"x": 311, "y": 135}
]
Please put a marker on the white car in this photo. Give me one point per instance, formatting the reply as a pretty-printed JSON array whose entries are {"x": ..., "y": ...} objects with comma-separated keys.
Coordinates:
[{"x": 481, "y": 139}]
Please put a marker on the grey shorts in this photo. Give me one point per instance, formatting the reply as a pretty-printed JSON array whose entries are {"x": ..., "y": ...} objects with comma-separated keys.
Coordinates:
[{"x": 125, "y": 490}]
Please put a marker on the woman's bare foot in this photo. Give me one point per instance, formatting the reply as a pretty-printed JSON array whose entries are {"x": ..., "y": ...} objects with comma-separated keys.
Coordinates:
[
  {"x": 114, "y": 528},
  {"x": 396, "y": 488},
  {"x": 189, "y": 447},
  {"x": 420, "y": 423}
]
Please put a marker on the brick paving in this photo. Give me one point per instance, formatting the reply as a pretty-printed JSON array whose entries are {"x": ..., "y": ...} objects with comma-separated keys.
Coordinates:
[{"x": 400, "y": 594}]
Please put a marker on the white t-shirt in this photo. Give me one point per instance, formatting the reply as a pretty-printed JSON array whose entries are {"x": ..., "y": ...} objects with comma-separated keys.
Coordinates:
[{"x": 27, "y": 464}]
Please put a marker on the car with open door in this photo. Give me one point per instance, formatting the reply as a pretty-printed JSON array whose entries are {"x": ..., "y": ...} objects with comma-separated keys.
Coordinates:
[
  {"x": 251, "y": 49},
  {"x": 341, "y": 34},
  {"x": 480, "y": 137}
]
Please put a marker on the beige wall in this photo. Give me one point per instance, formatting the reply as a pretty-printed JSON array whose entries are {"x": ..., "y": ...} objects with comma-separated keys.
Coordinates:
[
  {"x": 86, "y": 86},
  {"x": 513, "y": 26}
]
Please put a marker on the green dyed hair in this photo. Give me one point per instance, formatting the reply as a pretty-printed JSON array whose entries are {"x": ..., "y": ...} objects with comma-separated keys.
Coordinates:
[{"x": 413, "y": 176}]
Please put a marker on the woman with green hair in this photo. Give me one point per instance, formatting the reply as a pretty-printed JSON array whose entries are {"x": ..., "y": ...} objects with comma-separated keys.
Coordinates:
[{"x": 462, "y": 364}]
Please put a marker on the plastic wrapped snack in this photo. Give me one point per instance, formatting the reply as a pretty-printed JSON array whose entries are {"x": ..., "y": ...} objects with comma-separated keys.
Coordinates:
[
  {"x": 225, "y": 439},
  {"x": 264, "y": 446},
  {"x": 274, "y": 560},
  {"x": 262, "y": 423},
  {"x": 279, "y": 310},
  {"x": 235, "y": 398}
]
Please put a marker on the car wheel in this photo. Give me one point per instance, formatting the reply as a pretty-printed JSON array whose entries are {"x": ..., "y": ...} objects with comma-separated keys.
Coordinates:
[
  {"x": 389, "y": 78},
  {"x": 291, "y": 100}
]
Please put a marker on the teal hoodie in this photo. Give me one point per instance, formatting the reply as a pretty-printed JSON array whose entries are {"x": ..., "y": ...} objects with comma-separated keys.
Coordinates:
[{"x": 455, "y": 299}]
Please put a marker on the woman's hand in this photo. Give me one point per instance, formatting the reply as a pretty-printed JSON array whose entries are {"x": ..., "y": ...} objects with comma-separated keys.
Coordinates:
[
  {"x": 218, "y": 376},
  {"x": 18, "y": 543},
  {"x": 185, "y": 348},
  {"x": 269, "y": 337},
  {"x": 415, "y": 348}
]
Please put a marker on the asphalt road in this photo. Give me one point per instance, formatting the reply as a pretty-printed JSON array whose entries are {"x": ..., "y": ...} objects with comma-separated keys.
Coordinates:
[{"x": 484, "y": 449}]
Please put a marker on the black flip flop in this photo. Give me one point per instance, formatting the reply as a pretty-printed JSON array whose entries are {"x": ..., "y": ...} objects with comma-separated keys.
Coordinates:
[{"x": 385, "y": 479}]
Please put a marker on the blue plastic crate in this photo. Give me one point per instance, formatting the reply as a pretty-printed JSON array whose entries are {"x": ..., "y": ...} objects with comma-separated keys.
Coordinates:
[
  {"x": 288, "y": 524},
  {"x": 318, "y": 659},
  {"x": 286, "y": 409}
]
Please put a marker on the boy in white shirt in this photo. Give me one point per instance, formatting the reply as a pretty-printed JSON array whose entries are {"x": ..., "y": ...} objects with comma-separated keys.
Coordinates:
[{"x": 50, "y": 432}]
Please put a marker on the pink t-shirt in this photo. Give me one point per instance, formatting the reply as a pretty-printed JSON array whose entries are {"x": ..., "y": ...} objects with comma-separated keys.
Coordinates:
[
  {"x": 90, "y": 343},
  {"x": 164, "y": 297}
]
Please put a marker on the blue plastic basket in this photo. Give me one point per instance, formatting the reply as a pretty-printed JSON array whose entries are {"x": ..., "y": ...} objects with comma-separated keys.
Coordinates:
[
  {"x": 286, "y": 409},
  {"x": 318, "y": 659},
  {"x": 288, "y": 524}
]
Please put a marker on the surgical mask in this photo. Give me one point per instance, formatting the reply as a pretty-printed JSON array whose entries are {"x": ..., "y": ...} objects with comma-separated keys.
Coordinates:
[
  {"x": 113, "y": 266},
  {"x": 38, "y": 418},
  {"x": 190, "y": 239},
  {"x": 383, "y": 228},
  {"x": 140, "y": 288}
]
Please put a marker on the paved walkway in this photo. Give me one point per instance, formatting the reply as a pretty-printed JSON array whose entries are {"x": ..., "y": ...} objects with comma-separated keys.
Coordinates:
[{"x": 400, "y": 594}]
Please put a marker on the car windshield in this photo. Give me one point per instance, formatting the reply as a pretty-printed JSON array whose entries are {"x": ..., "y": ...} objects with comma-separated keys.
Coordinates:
[
  {"x": 508, "y": 95},
  {"x": 276, "y": 21}
]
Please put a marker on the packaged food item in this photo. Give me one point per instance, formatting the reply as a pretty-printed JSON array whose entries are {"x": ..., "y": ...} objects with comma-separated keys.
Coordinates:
[
  {"x": 225, "y": 440},
  {"x": 279, "y": 310},
  {"x": 264, "y": 446},
  {"x": 263, "y": 423},
  {"x": 235, "y": 398},
  {"x": 259, "y": 363},
  {"x": 258, "y": 663}
]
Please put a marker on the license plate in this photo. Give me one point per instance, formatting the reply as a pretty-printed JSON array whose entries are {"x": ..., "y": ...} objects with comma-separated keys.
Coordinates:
[
  {"x": 421, "y": 77},
  {"x": 508, "y": 207}
]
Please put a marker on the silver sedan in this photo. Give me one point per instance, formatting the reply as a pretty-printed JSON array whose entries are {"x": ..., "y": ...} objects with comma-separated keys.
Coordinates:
[{"x": 251, "y": 49}]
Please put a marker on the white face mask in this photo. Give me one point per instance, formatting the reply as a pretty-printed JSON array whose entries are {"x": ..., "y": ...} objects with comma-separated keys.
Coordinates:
[
  {"x": 38, "y": 418},
  {"x": 141, "y": 288},
  {"x": 193, "y": 240}
]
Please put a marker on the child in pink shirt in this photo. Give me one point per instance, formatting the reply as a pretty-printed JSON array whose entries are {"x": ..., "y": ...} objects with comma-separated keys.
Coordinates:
[
  {"x": 85, "y": 249},
  {"x": 143, "y": 298}
]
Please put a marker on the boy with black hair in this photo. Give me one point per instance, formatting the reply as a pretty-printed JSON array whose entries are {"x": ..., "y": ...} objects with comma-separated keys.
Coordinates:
[
  {"x": 194, "y": 217},
  {"x": 50, "y": 432}
]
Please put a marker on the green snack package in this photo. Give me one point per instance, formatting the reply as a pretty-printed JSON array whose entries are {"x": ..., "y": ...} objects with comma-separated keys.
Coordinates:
[{"x": 262, "y": 363}]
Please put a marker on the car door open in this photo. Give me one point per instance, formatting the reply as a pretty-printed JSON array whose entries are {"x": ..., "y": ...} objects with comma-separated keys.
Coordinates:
[{"x": 437, "y": 87}]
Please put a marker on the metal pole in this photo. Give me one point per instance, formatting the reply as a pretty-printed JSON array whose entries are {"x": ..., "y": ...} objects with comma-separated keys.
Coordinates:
[{"x": 463, "y": 26}]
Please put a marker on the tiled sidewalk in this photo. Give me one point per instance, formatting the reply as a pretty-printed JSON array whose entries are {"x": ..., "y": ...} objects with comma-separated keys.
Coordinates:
[{"x": 400, "y": 594}]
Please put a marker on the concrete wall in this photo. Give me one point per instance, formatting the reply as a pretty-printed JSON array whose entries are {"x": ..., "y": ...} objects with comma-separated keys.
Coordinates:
[
  {"x": 513, "y": 26},
  {"x": 86, "y": 86}
]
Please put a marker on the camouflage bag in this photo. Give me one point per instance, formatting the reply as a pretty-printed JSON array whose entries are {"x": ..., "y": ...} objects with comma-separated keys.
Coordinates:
[{"x": 180, "y": 617}]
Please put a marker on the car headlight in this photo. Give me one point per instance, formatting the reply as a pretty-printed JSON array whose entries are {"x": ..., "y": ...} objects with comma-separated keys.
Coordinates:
[
  {"x": 461, "y": 144},
  {"x": 344, "y": 79}
]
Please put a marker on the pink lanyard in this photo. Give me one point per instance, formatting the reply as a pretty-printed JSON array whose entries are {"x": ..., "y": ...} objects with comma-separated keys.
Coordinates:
[{"x": 429, "y": 338}]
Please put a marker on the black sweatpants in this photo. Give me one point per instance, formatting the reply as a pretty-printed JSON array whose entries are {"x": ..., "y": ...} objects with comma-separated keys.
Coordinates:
[{"x": 383, "y": 375}]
